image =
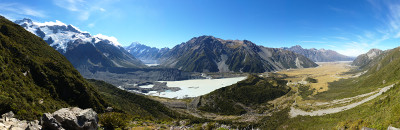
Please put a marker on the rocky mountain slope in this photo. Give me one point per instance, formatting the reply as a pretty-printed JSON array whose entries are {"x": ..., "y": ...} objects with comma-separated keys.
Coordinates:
[
  {"x": 210, "y": 54},
  {"x": 35, "y": 79},
  {"x": 369, "y": 58},
  {"x": 80, "y": 48},
  {"x": 320, "y": 55},
  {"x": 148, "y": 55}
]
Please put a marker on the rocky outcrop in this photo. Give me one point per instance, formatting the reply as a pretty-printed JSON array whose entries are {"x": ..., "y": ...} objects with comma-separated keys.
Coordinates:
[
  {"x": 70, "y": 119},
  {"x": 365, "y": 59},
  {"x": 64, "y": 119},
  {"x": 8, "y": 122}
]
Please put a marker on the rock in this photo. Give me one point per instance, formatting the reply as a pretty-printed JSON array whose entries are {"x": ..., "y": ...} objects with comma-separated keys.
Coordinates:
[
  {"x": 7, "y": 115},
  {"x": 71, "y": 118},
  {"x": 392, "y": 128},
  {"x": 109, "y": 109},
  {"x": 8, "y": 122}
]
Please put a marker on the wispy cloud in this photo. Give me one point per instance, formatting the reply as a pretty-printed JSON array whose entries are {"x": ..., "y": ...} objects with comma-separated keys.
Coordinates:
[
  {"x": 102, "y": 9},
  {"x": 388, "y": 12},
  {"x": 20, "y": 9},
  {"x": 71, "y": 5},
  {"x": 82, "y": 8},
  {"x": 332, "y": 46},
  {"x": 343, "y": 11},
  {"x": 341, "y": 38},
  {"x": 313, "y": 42}
]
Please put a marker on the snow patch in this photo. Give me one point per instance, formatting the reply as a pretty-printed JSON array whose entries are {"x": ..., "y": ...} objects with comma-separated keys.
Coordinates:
[{"x": 51, "y": 23}]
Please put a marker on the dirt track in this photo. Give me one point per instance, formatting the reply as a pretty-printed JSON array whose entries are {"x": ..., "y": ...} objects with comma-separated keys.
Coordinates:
[{"x": 295, "y": 112}]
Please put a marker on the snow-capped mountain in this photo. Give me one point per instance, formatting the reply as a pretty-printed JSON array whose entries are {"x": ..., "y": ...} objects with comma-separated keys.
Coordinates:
[
  {"x": 81, "y": 48},
  {"x": 147, "y": 54}
]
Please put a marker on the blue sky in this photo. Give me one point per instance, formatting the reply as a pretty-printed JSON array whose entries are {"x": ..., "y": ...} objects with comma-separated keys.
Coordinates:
[{"x": 350, "y": 27}]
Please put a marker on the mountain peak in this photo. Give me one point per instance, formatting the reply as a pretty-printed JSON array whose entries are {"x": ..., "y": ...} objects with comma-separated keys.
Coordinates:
[
  {"x": 296, "y": 47},
  {"x": 134, "y": 44},
  {"x": 25, "y": 20},
  {"x": 373, "y": 53}
]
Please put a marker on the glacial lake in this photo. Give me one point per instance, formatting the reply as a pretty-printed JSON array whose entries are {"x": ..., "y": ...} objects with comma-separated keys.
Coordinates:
[{"x": 195, "y": 87}]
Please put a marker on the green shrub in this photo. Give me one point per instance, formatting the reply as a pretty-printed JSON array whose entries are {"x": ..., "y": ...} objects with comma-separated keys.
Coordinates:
[
  {"x": 113, "y": 120},
  {"x": 311, "y": 80}
]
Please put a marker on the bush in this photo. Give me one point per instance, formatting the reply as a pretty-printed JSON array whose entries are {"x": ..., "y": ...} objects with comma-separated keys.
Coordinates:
[
  {"x": 113, "y": 120},
  {"x": 311, "y": 80},
  {"x": 305, "y": 91}
]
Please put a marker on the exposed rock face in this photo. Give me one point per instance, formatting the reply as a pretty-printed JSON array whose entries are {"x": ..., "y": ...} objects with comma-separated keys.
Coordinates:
[
  {"x": 366, "y": 58},
  {"x": 71, "y": 119},
  {"x": 320, "y": 55},
  {"x": 8, "y": 122},
  {"x": 210, "y": 54}
]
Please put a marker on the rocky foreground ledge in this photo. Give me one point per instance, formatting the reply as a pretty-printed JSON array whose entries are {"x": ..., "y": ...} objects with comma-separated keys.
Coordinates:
[{"x": 66, "y": 118}]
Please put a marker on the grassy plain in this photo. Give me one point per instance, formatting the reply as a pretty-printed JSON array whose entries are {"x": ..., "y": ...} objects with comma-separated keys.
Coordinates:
[{"x": 326, "y": 72}]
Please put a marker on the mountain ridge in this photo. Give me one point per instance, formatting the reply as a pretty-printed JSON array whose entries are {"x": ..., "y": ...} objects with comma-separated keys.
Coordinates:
[
  {"x": 319, "y": 55},
  {"x": 210, "y": 54}
]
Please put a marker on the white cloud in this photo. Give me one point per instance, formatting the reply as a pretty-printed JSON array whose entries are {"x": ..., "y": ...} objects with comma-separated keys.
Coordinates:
[
  {"x": 21, "y": 9},
  {"x": 110, "y": 38},
  {"x": 332, "y": 46},
  {"x": 71, "y": 5},
  {"x": 341, "y": 38},
  {"x": 91, "y": 25},
  {"x": 102, "y": 9},
  {"x": 78, "y": 7},
  {"x": 313, "y": 42}
]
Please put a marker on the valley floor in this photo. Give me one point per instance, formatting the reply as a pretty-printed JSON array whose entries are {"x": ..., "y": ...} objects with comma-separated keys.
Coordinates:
[{"x": 326, "y": 72}]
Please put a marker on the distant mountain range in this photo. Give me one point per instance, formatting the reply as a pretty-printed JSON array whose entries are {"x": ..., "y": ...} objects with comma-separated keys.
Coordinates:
[
  {"x": 210, "y": 54},
  {"x": 200, "y": 54},
  {"x": 148, "y": 55},
  {"x": 320, "y": 55},
  {"x": 83, "y": 50}
]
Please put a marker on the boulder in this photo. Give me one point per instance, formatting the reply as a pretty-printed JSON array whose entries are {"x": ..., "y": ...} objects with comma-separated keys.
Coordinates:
[
  {"x": 8, "y": 122},
  {"x": 71, "y": 118}
]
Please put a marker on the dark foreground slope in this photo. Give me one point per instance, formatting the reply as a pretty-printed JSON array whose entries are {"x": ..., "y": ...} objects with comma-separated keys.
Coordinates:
[
  {"x": 233, "y": 100},
  {"x": 35, "y": 78}
]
